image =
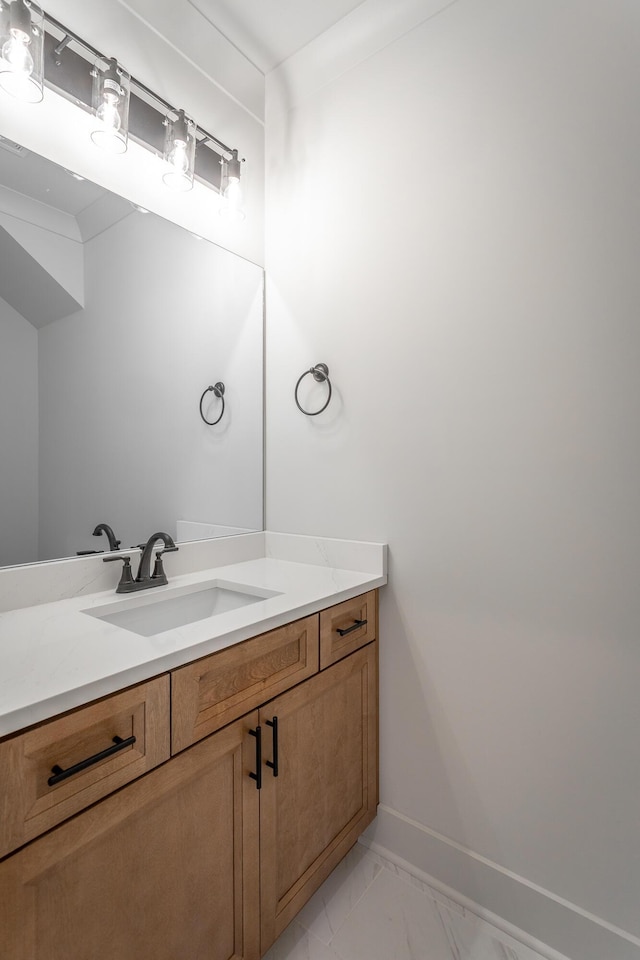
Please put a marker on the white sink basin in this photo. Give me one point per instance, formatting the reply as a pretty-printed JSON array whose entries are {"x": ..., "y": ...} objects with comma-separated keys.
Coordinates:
[{"x": 147, "y": 615}]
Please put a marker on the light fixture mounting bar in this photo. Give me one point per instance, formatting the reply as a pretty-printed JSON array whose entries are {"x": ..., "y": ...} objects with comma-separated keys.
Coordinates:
[
  {"x": 206, "y": 137},
  {"x": 96, "y": 54}
]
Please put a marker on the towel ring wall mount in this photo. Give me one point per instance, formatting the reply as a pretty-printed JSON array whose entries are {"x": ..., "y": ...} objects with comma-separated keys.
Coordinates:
[
  {"x": 218, "y": 391},
  {"x": 320, "y": 373}
]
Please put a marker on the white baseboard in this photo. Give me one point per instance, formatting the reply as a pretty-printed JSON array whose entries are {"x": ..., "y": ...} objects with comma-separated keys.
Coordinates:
[{"x": 549, "y": 925}]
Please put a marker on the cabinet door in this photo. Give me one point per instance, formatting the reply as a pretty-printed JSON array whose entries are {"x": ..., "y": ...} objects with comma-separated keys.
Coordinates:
[
  {"x": 326, "y": 789},
  {"x": 156, "y": 870}
]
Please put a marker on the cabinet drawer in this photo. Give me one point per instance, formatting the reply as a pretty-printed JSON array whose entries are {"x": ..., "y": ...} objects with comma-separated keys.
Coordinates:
[
  {"x": 211, "y": 692},
  {"x": 347, "y": 627},
  {"x": 30, "y": 804}
]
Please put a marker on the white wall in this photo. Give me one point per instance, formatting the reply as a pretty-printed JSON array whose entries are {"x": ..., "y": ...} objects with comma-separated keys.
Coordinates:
[
  {"x": 453, "y": 227},
  {"x": 18, "y": 437},
  {"x": 121, "y": 438}
]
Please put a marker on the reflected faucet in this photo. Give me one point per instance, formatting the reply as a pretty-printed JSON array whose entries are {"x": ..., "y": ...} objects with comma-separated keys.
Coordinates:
[
  {"x": 144, "y": 579},
  {"x": 110, "y": 535}
]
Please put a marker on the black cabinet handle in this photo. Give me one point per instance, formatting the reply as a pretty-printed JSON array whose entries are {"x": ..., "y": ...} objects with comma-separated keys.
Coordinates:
[
  {"x": 354, "y": 626},
  {"x": 274, "y": 763},
  {"x": 257, "y": 776},
  {"x": 59, "y": 774}
]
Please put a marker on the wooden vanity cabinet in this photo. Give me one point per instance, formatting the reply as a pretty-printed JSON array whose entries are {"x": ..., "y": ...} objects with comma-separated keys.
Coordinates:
[{"x": 210, "y": 855}]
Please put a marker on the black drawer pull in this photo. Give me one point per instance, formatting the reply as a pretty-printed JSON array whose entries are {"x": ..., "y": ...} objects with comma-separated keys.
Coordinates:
[
  {"x": 257, "y": 776},
  {"x": 354, "y": 626},
  {"x": 274, "y": 763},
  {"x": 59, "y": 774}
]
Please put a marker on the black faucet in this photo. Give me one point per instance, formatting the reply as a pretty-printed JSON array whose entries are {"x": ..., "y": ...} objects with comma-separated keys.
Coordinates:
[
  {"x": 145, "y": 579},
  {"x": 110, "y": 535}
]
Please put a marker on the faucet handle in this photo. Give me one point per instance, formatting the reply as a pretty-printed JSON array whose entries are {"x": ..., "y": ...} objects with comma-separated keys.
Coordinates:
[
  {"x": 141, "y": 546},
  {"x": 126, "y": 578},
  {"x": 158, "y": 569}
]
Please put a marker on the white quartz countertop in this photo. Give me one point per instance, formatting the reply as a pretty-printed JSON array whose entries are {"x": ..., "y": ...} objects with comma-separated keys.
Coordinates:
[{"x": 55, "y": 656}]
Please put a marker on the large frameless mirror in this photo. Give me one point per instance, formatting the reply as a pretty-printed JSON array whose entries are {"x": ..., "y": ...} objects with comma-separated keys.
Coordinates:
[{"x": 113, "y": 325}]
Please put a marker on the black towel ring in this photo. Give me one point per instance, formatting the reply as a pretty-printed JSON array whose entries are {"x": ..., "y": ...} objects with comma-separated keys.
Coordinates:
[
  {"x": 218, "y": 390},
  {"x": 320, "y": 373}
]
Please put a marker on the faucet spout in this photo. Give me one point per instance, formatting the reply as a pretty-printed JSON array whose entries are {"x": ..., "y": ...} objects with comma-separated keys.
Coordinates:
[
  {"x": 144, "y": 575},
  {"x": 110, "y": 535}
]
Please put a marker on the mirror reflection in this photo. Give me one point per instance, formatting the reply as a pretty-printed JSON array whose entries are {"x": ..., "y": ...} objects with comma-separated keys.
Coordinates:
[{"x": 113, "y": 322}]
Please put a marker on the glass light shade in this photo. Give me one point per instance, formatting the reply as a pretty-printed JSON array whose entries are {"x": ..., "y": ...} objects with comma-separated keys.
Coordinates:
[
  {"x": 21, "y": 49},
  {"x": 179, "y": 152},
  {"x": 232, "y": 201},
  {"x": 110, "y": 102}
]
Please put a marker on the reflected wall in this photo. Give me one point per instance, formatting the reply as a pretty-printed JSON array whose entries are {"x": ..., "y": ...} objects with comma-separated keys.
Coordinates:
[{"x": 100, "y": 413}]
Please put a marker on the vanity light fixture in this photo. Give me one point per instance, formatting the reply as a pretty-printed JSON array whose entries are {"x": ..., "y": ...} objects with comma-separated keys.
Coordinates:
[
  {"x": 230, "y": 188},
  {"x": 179, "y": 152},
  {"x": 121, "y": 105},
  {"x": 21, "y": 46},
  {"x": 110, "y": 102}
]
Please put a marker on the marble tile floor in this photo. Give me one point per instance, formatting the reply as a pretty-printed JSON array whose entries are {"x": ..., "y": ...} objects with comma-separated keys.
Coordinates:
[{"x": 369, "y": 909}]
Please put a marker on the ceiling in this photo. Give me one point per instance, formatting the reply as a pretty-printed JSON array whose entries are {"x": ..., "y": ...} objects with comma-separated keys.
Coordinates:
[
  {"x": 269, "y": 31},
  {"x": 27, "y": 173}
]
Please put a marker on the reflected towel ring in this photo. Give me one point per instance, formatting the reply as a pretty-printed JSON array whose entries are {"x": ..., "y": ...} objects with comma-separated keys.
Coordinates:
[
  {"x": 320, "y": 373},
  {"x": 218, "y": 390}
]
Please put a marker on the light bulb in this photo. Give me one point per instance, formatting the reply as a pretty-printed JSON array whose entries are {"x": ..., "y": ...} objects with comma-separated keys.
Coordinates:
[
  {"x": 179, "y": 153},
  {"x": 16, "y": 53},
  {"x": 233, "y": 191},
  {"x": 21, "y": 52},
  {"x": 178, "y": 157},
  {"x": 231, "y": 206},
  {"x": 108, "y": 115},
  {"x": 111, "y": 104}
]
